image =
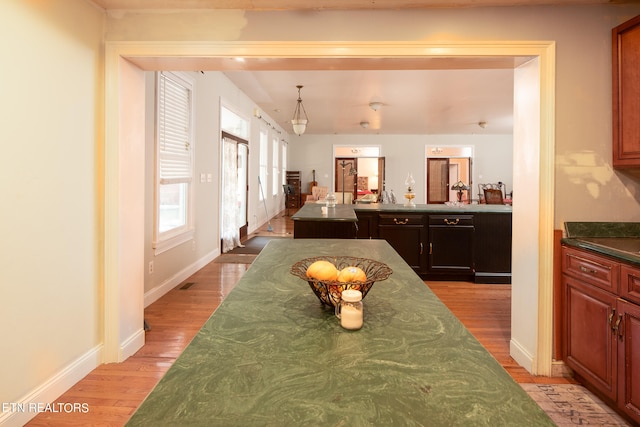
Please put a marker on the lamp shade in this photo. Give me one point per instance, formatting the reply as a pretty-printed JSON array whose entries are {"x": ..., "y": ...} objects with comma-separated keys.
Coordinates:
[
  {"x": 299, "y": 126},
  {"x": 299, "y": 123}
]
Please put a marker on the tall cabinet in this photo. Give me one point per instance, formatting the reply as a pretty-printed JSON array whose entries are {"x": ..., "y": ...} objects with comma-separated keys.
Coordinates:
[
  {"x": 294, "y": 184},
  {"x": 626, "y": 95}
]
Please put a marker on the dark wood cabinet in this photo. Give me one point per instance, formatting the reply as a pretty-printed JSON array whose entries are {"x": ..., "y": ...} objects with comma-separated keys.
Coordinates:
[
  {"x": 407, "y": 234},
  {"x": 601, "y": 328},
  {"x": 448, "y": 245},
  {"x": 629, "y": 359},
  {"x": 451, "y": 249},
  {"x": 590, "y": 342},
  {"x": 626, "y": 94},
  {"x": 492, "y": 247},
  {"x": 292, "y": 198},
  {"x": 367, "y": 225}
]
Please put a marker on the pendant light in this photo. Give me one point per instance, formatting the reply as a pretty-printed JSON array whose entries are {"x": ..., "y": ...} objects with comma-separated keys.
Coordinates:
[{"x": 299, "y": 123}]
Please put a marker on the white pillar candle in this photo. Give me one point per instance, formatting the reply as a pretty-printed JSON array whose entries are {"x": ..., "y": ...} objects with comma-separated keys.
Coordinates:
[{"x": 350, "y": 317}]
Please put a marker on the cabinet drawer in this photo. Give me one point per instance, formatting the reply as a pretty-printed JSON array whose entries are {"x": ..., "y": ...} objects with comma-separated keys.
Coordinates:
[
  {"x": 459, "y": 220},
  {"x": 630, "y": 283},
  {"x": 401, "y": 219},
  {"x": 592, "y": 269}
]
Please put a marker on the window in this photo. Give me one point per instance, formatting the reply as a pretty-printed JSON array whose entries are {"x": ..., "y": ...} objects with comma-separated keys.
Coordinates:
[
  {"x": 174, "y": 158},
  {"x": 233, "y": 123},
  {"x": 275, "y": 166},
  {"x": 263, "y": 162},
  {"x": 283, "y": 168}
]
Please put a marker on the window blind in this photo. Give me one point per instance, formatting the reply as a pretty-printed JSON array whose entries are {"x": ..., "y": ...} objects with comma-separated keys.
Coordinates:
[{"x": 174, "y": 128}]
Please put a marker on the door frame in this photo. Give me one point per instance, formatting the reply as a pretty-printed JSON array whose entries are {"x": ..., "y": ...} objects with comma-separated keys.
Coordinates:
[
  {"x": 240, "y": 141},
  {"x": 534, "y": 144}
]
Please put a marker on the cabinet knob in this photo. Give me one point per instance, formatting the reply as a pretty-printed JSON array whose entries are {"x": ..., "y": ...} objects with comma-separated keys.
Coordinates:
[
  {"x": 451, "y": 222},
  {"x": 400, "y": 222}
]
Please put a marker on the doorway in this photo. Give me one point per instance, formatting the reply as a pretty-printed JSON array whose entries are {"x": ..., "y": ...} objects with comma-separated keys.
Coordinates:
[
  {"x": 235, "y": 176},
  {"x": 534, "y": 139},
  {"x": 443, "y": 173},
  {"x": 361, "y": 177}
]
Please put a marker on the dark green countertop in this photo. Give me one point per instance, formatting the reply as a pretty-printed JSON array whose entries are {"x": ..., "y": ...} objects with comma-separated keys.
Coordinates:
[
  {"x": 272, "y": 355},
  {"x": 619, "y": 240},
  {"x": 435, "y": 208},
  {"x": 313, "y": 212}
]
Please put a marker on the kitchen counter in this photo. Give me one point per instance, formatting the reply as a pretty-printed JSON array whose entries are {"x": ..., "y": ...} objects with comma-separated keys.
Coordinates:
[
  {"x": 271, "y": 354},
  {"x": 312, "y": 211},
  {"x": 620, "y": 240},
  {"x": 433, "y": 208}
]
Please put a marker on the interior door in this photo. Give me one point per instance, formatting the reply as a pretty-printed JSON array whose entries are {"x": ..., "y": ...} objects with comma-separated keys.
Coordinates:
[
  {"x": 346, "y": 176},
  {"x": 437, "y": 180},
  {"x": 235, "y": 159},
  {"x": 243, "y": 188},
  {"x": 381, "y": 177}
]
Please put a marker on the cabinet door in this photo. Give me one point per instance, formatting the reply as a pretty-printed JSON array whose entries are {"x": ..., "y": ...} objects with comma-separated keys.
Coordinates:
[
  {"x": 626, "y": 94},
  {"x": 367, "y": 225},
  {"x": 590, "y": 344},
  {"x": 408, "y": 241},
  {"x": 629, "y": 359},
  {"x": 492, "y": 247},
  {"x": 451, "y": 244}
]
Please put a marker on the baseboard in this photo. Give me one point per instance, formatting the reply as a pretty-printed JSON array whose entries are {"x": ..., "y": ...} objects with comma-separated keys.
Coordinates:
[
  {"x": 132, "y": 344},
  {"x": 19, "y": 413},
  {"x": 521, "y": 356},
  {"x": 154, "y": 294}
]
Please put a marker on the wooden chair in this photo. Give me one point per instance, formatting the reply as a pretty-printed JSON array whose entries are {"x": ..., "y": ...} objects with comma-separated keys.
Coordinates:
[{"x": 493, "y": 193}]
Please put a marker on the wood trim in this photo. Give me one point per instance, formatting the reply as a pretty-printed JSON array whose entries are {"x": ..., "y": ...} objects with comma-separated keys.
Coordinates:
[{"x": 558, "y": 296}]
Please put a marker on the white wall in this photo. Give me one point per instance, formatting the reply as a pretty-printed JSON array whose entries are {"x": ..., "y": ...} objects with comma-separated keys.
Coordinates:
[
  {"x": 584, "y": 176},
  {"x": 52, "y": 170},
  {"x": 211, "y": 90},
  {"x": 404, "y": 154},
  {"x": 51, "y": 186}
]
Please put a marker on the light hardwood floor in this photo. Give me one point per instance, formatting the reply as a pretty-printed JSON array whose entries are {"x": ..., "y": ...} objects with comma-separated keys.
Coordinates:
[{"x": 114, "y": 391}]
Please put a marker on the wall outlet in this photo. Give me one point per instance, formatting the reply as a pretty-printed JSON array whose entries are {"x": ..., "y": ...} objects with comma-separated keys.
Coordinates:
[{"x": 150, "y": 267}]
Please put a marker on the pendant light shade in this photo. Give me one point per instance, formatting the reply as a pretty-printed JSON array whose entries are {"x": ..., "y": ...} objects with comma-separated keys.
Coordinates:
[{"x": 300, "y": 118}]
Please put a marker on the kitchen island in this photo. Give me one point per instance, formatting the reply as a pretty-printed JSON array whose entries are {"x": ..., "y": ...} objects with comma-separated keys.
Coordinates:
[
  {"x": 271, "y": 354},
  {"x": 467, "y": 242}
]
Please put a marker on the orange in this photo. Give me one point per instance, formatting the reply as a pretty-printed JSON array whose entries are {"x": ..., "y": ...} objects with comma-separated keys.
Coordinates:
[
  {"x": 322, "y": 270},
  {"x": 352, "y": 274}
]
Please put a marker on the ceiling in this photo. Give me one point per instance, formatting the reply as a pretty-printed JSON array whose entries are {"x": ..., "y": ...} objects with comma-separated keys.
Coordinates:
[
  {"x": 418, "y": 96},
  {"x": 327, "y": 4}
]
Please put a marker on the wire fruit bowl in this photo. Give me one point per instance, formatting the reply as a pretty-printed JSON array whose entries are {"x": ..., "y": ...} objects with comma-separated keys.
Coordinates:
[{"x": 330, "y": 292}]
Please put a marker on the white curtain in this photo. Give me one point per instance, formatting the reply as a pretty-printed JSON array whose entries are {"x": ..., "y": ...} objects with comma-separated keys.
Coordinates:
[{"x": 230, "y": 199}]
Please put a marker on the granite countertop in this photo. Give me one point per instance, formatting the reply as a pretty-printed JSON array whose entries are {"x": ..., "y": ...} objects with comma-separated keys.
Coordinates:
[
  {"x": 620, "y": 240},
  {"x": 272, "y": 355},
  {"x": 312, "y": 211},
  {"x": 470, "y": 208}
]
